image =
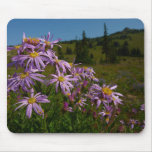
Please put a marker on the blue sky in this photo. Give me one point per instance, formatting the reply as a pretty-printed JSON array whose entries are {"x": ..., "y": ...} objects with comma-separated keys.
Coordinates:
[{"x": 66, "y": 29}]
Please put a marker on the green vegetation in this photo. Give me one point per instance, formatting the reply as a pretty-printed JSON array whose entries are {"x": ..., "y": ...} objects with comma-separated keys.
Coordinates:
[{"x": 127, "y": 72}]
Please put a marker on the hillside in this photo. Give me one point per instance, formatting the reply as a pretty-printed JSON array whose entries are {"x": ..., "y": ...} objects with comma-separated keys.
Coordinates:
[{"x": 134, "y": 38}]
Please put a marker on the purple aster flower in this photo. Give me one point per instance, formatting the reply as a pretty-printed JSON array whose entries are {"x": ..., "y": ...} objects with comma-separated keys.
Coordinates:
[
  {"x": 30, "y": 41},
  {"x": 35, "y": 60},
  {"x": 134, "y": 110},
  {"x": 24, "y": 80},
  {"x": 94, "y": 79},
  {"x": 19, "y": 48},
  {"x": 122, "y": 122},
  {"x": 116, "y": 100},
  {"x": 89, "y": 70},
  {"x": 48, "y": 43},
  {"x": 61, "y": 64},
  {"x": 78, "y": 73},
  {"x": 108, "y": 91},
  {"x": 33, "y": 103},
  {"x": 104, "y": 95},
  {"x": 81, "y": 102},
  {"x": 71, "y": 96},
  {"x": 89, "y": 73},
  {"x": 142, "y": 107},
  {"x": 107, "y": 112},
  {"x": 63, "y": 81},
  {"x": 132, "y": 122},
  {"x": 16, "y": 62},
  {"x": 67, "y": 108}
]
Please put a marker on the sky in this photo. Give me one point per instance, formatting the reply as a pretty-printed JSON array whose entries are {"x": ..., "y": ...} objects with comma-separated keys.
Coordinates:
[{"x": 66, "y": 29}]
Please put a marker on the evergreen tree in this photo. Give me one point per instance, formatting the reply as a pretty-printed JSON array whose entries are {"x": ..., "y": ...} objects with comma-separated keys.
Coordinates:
[
  {"x": 106, "y": 43},
  {"x": 82, "y": 51},
  {"x": 60, "y": 53},
  {"x": 68, "y": 50}
]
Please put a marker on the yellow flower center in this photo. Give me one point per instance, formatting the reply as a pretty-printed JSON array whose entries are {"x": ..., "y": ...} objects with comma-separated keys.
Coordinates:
[
  {"x": 25, "y": 39},
  {"x": 47, "y": 42},
  {"x": 24, "y": 75},
  {"x": 79, "y": 101},
  {"x": 85, "y": 68},
  {"x": 77, "y": 74},
  {"x": 61, "y": 79},
  {"x": 34, "y": 54},
  {"x": 107, "y": 112},
  {"x": 31, "y": 100},
  {"x": 113, "y": 99},
  {"x": 30, "y": 40},
  {"x": 17, "y": 46},
  {"x": 71, "y": 64},
  {"x": 107, "y": 91},
  {"x": 68, "y": 94},
  {"x": 57, "y": 61}
]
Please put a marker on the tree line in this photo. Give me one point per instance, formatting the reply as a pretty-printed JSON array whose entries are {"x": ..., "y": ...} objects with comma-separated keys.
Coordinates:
[{"x": 110, "y": 47}]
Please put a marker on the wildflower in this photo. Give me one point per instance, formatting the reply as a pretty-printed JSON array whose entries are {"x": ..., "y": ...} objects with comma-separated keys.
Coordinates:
[
  {"x": 122, "y": 122},
  {"x": 33, "y": 103},
  {"x": 63, "y": 81},
  {"x": 104, "y": 94},
  {"x": 116, "y": 100},
  {"x": 24, "y": 80},
  {"x": 61, "y": 64},
  {"x": 78, "y": 73},
  {"x": 107, "y": 112},
  {"x": 71, "y": 96},
  {"x": 81, "y": 102},
  {"x": 67, "y": 108},
  {"x": 48, "y": 43},
  {"x": 30, "y": 41},
  {"x": 134, "y": 110},
  {"x": 132, "y": 122},
  {"x": 34, "y": 60},
  {"x": 16, "y": 47},
  {"x": 142, "y": 107}
]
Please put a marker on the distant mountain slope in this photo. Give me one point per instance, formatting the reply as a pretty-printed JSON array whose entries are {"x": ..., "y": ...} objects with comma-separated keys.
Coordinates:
[{"x": 134, "y": 37}]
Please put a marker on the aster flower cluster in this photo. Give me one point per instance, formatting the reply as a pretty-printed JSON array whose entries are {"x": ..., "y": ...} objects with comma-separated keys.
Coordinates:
[{"x": 78, "y": 84}]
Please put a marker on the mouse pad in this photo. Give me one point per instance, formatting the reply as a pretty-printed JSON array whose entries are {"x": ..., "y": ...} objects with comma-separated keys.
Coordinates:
[{"x": 75, "y": 76}]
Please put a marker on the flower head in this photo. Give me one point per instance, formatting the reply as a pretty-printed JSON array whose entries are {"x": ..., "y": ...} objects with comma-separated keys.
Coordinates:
[
  {"x": 132, "y": 122},
  {"x": 24, "y": 80},
  {"x": 67, "y": 108},
  {"x": 33, "y": 102},
  {"x": 63, "y": 81}
]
